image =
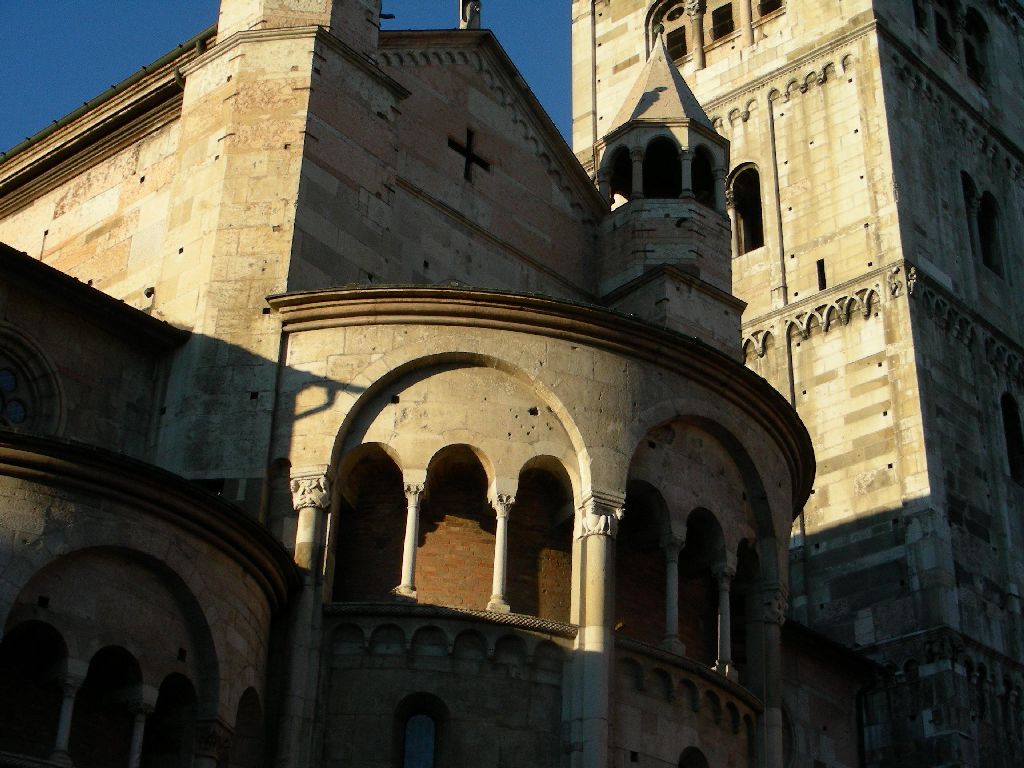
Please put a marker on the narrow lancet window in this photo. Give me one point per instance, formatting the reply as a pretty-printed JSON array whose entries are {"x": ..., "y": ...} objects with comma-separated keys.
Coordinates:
[
  {"x": 746, "y": 190},
  {"x": 1014, "y": 437}
]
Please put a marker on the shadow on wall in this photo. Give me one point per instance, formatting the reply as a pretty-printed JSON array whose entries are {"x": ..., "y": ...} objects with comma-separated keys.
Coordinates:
[{"x": 882, "y": 584}]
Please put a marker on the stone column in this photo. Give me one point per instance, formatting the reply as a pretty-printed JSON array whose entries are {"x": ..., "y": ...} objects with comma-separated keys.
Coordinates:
[
  {"x": 686, "y": 164},
  {"x": 671, "y": 546},
  {"x": 70, "y": 685},
  {"x": 636, "y": 154},
  {"x": 597, "y": 522},
  {"x": 724, "y": 576},
  {"x": 773, "y": 606},
  {"x": 695, "y": 10},
  {"x": 498, "y": 602},
  {"x": 746, "y": 23},
  {"x": 311, "y": 498},
  {"x": 213, "y": 743},
  {"x": 720, "y": 175},
  {"x": 730, "y": 207},
  {"x": 413, "y": 496},
  {"x": 140, "y": 710}
]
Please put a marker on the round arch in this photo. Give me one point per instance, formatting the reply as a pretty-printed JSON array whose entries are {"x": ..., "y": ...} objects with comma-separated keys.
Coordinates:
[{"x": 383, "y": 378}]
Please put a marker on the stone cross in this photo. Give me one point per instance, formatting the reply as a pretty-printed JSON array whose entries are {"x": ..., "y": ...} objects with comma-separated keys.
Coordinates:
[{"x": 471, "y": 157}]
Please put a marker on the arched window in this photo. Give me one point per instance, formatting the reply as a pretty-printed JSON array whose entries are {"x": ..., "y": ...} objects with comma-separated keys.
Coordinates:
[
  {"x": 1014, "y": 437},
  {"x": 671, "y": 20},
  {"x": 988, "y": 233},
  {"x": 746, "y": 190},
  {"x": 703, "y": 177},
  {"x": 622, "y": 176},
  {"x": 420, "y": 745},
  {"x": 663, "y": 170},
  {"x": 419, "y": 731},
  {"x": 102, "y": 724},
  {"x": 170, "y": 729},
  {"x": 692, "y": 758},
  {"x": 975, "y": 44}
]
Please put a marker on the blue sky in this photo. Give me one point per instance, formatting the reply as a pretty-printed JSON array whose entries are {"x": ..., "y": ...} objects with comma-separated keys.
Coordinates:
[{"x": 57, "y": 54}]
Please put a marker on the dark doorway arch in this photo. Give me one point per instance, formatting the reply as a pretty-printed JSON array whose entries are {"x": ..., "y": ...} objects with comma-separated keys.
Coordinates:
[{"x": 692, "y": 758}]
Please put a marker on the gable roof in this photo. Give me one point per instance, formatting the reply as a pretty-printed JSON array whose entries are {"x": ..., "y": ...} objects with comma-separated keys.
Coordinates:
[
  {"x": 481, "y": 50},
  {"x": 660, "y": 94}
]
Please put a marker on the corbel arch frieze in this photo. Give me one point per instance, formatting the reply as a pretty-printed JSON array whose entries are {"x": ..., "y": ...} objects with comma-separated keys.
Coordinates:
[
  {"x": 837, "y": 312},
  {"x": 804, "y": 75}
]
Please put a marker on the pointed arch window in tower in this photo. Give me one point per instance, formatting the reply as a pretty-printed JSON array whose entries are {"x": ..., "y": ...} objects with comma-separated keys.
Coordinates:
[
  {"x": 663, "y": 170},
  {"x": 1014, "y": 437},
  {"x": 746, "y": 190}
]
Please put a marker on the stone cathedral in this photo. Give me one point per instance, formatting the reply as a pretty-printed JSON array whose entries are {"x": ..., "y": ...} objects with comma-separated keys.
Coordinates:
[{"x": 349, "y": 418}]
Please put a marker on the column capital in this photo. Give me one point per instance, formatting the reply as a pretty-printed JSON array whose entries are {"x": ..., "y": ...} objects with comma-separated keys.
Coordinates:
[
  {"x": 730, "y": 198},
  {"x": 774, "y": 603},
  {"x": 725, "y": 573},
  {"x": 694, "y": 8},
  {"x": 413, "y": 491},
  {"x": 141, "y": 707},
  {"x": 599, "y": 515},
  {"x": 503, "y": 503},
  {"x": 213, "y": 740},
  {"x": 720, "y": 172},
  {"x": 672, "y": 544},
  {"x": 636, "y": 154},
  {"x": 311, "y": 491}
]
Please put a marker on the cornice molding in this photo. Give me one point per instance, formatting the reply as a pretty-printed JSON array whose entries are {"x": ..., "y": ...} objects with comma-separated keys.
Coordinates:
[
  {"x": 150, "y": 490},
  {"x": 781, "y": 79},
  {"x": 1004, "y": 355},
  {"x": 835, "y": 306}
]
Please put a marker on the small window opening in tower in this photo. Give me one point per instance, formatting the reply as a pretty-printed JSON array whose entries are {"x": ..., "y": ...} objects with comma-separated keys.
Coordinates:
[
  {"x": 663, "y": 170},
  {"x": 944, "y": 26},
  {"x": 721, "y": 22},
  {"x": 674, "y": 22},
  {"x": 822, "y": 282},
  {"x": 675, "y": 41},
  {"x": 975, "y": 42},
  {"x": 746, "y": 189},
  {"x": 768, "y": 6},
  {"x": 988, "y": 233},
  {"x": 920, "y": 15},
  {"x": 1014, "y": 437},
  {"x": 703, "y": 177},
  {"x": 621, "y": 177}
]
